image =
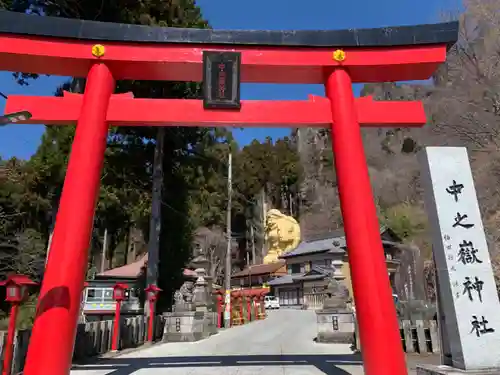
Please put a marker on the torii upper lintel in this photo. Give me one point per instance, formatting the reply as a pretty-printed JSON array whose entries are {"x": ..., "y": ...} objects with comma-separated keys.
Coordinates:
[{"x": 59, "y": 46}]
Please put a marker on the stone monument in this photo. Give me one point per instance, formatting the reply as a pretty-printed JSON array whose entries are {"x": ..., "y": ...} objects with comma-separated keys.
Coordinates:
[
  {"x": 335, "y": 321},
  {"x": 191, "y": 319},
  {"x": 468, "y": 299}
]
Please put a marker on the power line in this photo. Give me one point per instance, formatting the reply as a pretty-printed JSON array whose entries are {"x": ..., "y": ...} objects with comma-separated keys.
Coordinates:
[
  {"x": 163, "y": 202},
  {"x": 217, "y": 161},
  {"x": 220, "y": 164}
]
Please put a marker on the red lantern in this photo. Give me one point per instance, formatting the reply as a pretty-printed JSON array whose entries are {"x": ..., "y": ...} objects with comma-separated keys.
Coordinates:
[
  {"x": 152, "y": 295},
  {"x": 16, "y": 288},
  {"x": 119, "y": 291},
  {"x": 152, "y": 292},
  {"x": 13, "y": 293}
]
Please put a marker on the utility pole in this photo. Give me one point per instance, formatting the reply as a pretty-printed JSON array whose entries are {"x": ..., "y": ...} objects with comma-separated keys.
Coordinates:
[
  {"x": 249, "y": 270},
  {"x": 104, "y": 251},
  {"x": 264, "y": 221},
  {"x": 227, "y": 273},
  {"x": 155, "y": 222},
  {"x": 48, "y": 246},
  {"x": 253, "y": 243},
  {"x": 55, "y": 207}
]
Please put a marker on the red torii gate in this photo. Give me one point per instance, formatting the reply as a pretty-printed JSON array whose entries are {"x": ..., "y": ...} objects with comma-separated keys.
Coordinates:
[{"x": 335, "y": 58}]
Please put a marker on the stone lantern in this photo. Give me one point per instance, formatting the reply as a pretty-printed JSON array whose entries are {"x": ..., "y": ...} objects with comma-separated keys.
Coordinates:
[{"x": 200, "y": 264}]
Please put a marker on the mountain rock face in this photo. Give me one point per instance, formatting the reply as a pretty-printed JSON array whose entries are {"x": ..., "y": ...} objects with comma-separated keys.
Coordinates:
[
  {"x": 391, "y": 158},
  {"x": 462, "y": 103},
  {"x": 394, "y": 174},
  {"x": 459, "y": 114}
]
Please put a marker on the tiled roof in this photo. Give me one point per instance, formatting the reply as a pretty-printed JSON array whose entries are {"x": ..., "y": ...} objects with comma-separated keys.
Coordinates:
[
  {"x": 286, "y": 279},
  {"x": 128, "y": 270},
  {"x": 327, "y": 271},
  {"x": 339, "y": 233},
  {"x": 260, "y": 269},
  {"x": 333, "y": 242},
  {"x": 134, "y": 270},
  {"x": 317, "y": 246},
  {"x": 316, "y": 272}
]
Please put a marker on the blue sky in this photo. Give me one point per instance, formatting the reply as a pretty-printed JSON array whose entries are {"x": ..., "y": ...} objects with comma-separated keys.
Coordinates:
[{"x": 22, "y": 140}]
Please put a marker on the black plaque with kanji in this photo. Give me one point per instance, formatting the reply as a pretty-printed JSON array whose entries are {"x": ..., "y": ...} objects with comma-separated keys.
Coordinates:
[{"x": 221, "y": 80}]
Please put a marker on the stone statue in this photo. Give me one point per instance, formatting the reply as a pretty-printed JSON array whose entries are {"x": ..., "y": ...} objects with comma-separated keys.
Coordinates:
[
  {"x": 337, "y": 296},
  {"x": 178, "y": 299},
  {"x": 335, "y": 321},
  {"x": 282, "y": 235},
  {"x": 186, "y": 291},
  {"x": 183, "y": 297}
]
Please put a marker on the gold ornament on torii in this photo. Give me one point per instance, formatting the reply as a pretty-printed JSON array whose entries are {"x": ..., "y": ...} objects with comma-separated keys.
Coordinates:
[{"x": 282, "y": 235}]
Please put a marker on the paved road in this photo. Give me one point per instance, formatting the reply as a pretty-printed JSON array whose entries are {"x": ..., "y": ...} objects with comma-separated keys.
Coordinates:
[{"x": 281, "y": 344}]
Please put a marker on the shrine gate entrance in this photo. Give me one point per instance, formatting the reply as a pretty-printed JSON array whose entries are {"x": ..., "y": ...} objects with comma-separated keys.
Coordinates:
[{"x": 104, "y": 53}]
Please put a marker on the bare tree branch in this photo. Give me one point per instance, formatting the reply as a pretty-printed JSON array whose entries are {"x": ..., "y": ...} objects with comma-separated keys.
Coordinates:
[{"x": 214, "y": 244}]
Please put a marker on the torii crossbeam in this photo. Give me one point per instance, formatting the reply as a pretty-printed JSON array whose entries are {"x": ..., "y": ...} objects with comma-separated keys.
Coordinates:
[
  {"x": 104, "y": 52},
  {"x": 124, "y": 110}
]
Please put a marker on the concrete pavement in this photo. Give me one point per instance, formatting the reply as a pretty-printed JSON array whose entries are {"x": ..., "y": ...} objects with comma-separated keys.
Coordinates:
[{"x": 283, "y": 343}]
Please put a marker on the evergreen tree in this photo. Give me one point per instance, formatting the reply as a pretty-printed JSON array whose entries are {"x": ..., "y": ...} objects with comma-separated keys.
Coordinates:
[
  {"x": 194, "y": 162},
  {"x": 125, "y": 193}
]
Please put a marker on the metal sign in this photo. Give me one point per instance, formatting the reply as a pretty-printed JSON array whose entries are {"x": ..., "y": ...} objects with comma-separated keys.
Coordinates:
[
  {"x": 221, "y": 80},
  {"x": 11, "y": 118}
]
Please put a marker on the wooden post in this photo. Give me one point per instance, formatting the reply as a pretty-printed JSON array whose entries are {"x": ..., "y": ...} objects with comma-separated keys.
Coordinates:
[
  {"x": 116, "y": 327},
  {"x": 11, "y": 334},
  {"x": 219, "y": 310},
  {"x": 407, "y": 332},
  {"x": 242, "y": 312},
  {"x": 249, "y": 306}
]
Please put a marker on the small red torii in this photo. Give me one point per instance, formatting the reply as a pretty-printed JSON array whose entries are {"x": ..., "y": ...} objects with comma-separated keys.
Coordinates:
[{"x": 335, "y": 58}]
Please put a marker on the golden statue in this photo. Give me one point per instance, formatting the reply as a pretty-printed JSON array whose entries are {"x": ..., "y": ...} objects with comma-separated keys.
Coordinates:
[{"x": 282, "y": 235}]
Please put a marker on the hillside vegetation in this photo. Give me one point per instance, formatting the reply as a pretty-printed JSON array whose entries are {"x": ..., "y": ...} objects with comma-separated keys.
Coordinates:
[{"x": 463, "y": 108}]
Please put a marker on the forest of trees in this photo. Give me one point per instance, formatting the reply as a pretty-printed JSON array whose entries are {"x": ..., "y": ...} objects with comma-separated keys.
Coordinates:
[
  {"x": 294, "y": 174},
  {"x": 194, "y": 163}
]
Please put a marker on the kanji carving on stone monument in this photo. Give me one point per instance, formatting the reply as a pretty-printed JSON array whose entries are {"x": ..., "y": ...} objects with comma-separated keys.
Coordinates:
[{"x": 467, "y": 287}]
